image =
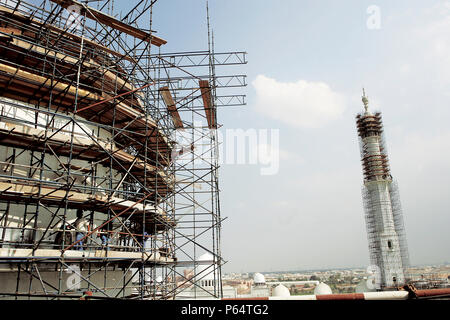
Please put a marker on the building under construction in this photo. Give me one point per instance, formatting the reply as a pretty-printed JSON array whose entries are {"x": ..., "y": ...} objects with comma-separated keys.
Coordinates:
[
  {"x": 108, "y": 154},
  {"x": 383, "y": 213}
]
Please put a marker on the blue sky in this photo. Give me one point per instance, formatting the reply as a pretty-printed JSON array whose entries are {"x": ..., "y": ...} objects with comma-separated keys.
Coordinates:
[{"x": 310, "y": 214}]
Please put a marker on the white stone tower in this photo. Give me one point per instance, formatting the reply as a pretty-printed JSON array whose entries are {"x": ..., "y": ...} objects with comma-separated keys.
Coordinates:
[{"x": 383, "y": 213}]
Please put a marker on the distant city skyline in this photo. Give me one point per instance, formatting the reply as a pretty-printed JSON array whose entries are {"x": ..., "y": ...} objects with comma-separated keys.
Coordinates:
[
  {"x": 362, "y": 267},
  {"x": 307, "y": 271}
]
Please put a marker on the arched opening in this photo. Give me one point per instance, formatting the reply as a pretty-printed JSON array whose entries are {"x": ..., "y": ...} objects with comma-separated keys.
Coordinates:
[{"x": 390, "y": 246}]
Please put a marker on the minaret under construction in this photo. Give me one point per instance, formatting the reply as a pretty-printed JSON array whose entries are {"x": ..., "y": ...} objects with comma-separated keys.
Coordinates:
[{"x": 384, "y": 218}]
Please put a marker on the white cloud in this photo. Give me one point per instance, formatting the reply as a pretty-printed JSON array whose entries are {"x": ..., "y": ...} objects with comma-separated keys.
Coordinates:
[{"x": 300, "y": 104}]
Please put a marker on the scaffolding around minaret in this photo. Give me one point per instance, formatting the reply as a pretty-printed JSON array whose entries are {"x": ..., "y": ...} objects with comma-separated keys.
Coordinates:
[{"x": 383, "y": 212}]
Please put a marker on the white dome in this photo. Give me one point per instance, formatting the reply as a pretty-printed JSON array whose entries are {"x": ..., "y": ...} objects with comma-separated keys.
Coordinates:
[
  {"x": 159, "y": 279},
  {"x": 281, "y": 291},
  {"x": 206, "y": 257},
  {"x": 206, "y": 271},
  {"x": 322, "y": 288},
  {"x": 259, "y": 278}
]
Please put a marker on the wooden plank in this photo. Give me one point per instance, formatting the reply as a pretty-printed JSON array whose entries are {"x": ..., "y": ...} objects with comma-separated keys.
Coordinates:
[
  {"x": 50, "y": 53},
  {"x": 157, "y": 137},
  {"x": 35, "y": 135},
  {"x": 149, "y": 257},
  {"x": 16, "y": 32},
  {"x": 82, "y": 93},
  {"x": 105, "y": 19},
  {"x": 69, "y": 59},
  {"x": 90, "y": 64},
  {"x": 170, "y": 103},
  {"x": 209, "y": 110},
  {"x": 66, "y": 34},
  {"x": 56, "y": 196},
  {"x": 39, "y": 80}
]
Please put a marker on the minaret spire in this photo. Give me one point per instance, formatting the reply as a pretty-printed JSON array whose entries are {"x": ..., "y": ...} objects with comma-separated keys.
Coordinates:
[
  {"x": 365, "y": 100},
  {"x": 388, "y": 247}
]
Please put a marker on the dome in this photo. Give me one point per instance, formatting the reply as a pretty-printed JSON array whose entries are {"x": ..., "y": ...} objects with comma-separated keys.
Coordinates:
[
  {"x": 281, "y": 291},
  {"x": 206, "y": 271},
  {"x": 322, "y": 288},
  {"x": 259, "y": 278},
  {"x": 206, "y": 257},
  {"x": 159, "y": 279}
]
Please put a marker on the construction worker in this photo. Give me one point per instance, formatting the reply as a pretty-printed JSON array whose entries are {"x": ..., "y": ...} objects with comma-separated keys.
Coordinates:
[
  {"x": 142, "y": 236},
  {"x": 65, "y": 237},
  {"x": 82, "y": 227},
  {"x": 105, "y": 233}
]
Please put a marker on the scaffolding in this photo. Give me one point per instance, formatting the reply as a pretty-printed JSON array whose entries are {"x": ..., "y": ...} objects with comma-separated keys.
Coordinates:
[
  {"x": 386, "y": 235},
  {"x": 99, "y": 196}
]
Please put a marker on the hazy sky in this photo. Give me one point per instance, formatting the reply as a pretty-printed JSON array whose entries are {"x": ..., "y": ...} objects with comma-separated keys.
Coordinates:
[{"x": 318, "y": 55}]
